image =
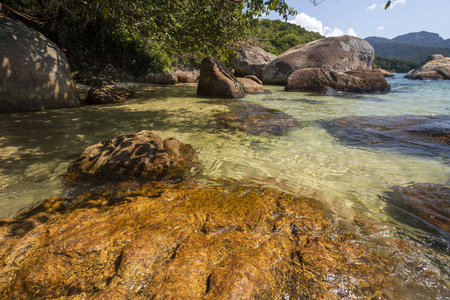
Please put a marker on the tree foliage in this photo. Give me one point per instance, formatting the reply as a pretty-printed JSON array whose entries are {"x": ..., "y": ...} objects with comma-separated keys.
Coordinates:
[{"x": 143, "y": 32}]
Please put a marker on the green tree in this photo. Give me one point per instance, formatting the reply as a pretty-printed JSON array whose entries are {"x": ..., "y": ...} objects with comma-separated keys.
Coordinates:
[{"x": 147, "y": 32}]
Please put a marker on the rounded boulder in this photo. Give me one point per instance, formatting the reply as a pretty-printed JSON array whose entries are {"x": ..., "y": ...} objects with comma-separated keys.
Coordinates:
[
  {"x": 343, "y": 53},
  {"x": 34, "y": 73}
]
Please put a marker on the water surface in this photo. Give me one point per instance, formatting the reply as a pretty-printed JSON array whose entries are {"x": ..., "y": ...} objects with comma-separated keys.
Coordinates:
[{"x": 36, "y": 147}]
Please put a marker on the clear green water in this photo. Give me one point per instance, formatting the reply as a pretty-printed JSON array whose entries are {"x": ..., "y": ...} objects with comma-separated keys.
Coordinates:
[{"x": 36, "y": 147}]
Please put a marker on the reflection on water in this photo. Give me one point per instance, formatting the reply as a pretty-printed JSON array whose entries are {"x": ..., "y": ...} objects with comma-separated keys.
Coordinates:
[{"x": 36, "y": 147}]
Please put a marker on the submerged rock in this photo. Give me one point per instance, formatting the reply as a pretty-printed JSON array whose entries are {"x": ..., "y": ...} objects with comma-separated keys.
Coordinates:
[
  {"x": 105, "y": 95},
  {"x": 142, "y": 156},
  {"x": 255, "y": 119},
  {"x": 421, "y": 205},
  {"x": 419, "y": 135},
  {"x": 186, "y": 241},
  {"x": 217, "y": 81}
]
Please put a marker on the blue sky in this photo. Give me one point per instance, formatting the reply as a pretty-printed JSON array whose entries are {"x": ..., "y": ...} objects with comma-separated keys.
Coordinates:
[{"x": 365, "y": 18}]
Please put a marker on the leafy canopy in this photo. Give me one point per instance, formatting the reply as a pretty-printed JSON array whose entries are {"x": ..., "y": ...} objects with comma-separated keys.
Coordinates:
[{"x": 160, "y": 28}]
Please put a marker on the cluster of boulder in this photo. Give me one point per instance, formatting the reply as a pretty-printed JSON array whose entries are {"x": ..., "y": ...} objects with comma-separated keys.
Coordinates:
[
  {"x": 36, "y": 75},
  {"x": 436, "y": 67},
  {"x": 343, "y": 64}
]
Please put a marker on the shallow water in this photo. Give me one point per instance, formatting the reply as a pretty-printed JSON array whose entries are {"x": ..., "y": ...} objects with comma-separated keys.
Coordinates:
[{"x": 36, "y": 147}]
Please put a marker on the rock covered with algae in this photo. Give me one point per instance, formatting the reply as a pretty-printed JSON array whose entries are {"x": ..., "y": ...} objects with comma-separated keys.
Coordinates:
[{"x": 189, "y": 241}]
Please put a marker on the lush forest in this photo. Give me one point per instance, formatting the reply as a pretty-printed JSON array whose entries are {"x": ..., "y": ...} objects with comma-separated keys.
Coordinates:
[
  {"x": 395, "y": 65},
  {"x": 276, "y": 36}
]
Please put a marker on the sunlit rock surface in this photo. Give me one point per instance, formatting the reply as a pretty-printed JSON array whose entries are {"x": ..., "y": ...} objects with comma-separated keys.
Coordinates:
[
  {"x": 228, "y": 241},
  {"x": 436, "y": 67},
  {"x": 34, "y": 72},
  {"x": 319, "y": 80},
  {"x": 341, "y": 54}
]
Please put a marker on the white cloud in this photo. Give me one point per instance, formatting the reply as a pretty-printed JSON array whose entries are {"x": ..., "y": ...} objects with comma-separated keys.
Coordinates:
[
  {"x": 396, "y": 2},
  {"x": 309, "y": 23},
  {"x": 312, "y": 24},
  {"x": 351, "y": 32},
  {"x": 336, "y": 32},
  {"x": 372, "y": 7},
  {"x": 380, "y": 28}
]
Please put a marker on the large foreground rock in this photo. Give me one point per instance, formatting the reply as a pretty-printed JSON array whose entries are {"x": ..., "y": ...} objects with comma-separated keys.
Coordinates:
[
  {"x": 188, "y": 241},
  {"x": 435, "y": 67},
  {"x": 319, "y": 79},
  {"x": 34, "y": 72},
  {"x": 251, "y": 60},
  {"x": 342, "y": 54},
  {"x": 217, "y": 81},
  {"x": 142, "y": 156}
]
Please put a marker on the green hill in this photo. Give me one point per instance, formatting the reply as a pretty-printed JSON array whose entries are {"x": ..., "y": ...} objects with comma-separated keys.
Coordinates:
[{"x": 276, "y": 36}]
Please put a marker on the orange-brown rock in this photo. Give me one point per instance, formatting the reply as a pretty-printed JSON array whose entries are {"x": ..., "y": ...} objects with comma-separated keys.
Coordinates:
[
  {"x": 143, "y": 156},
  {"x": 190, "y": 241}
]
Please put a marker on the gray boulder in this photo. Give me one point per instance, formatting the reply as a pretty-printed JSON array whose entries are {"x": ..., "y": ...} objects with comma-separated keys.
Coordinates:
[
  {"x": 217, "y": 81},
  {"x": 250, "y": 60},
  {"x": 435, "y": 67},
  {"x": 341, "y": 54},
  {"x": 326, "y": 81},
  {"x": 34, "y": 72}
]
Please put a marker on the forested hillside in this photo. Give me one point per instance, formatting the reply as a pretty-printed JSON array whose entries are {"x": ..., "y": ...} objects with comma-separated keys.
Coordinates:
[
  {"x": 276, "y": 36},
  {"x": 395, "y": 65}
]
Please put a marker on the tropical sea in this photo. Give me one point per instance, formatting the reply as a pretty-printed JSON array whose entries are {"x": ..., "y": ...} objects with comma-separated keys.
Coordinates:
[{"x": 355, "y": 177}]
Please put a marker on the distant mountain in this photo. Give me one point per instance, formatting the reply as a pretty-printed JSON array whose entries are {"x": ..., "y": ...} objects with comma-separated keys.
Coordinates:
[
  {"x": 415, "y": 46},
  {"x": 423, "y": 38}
]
